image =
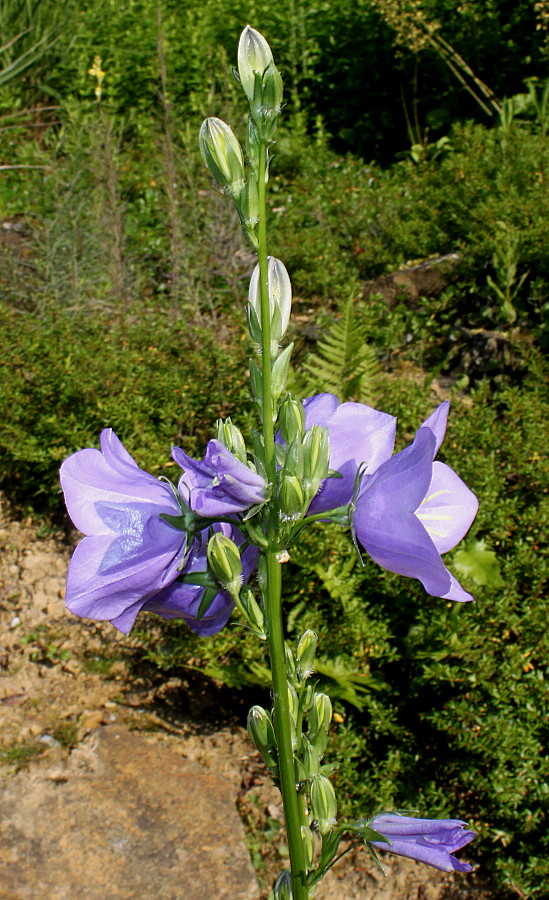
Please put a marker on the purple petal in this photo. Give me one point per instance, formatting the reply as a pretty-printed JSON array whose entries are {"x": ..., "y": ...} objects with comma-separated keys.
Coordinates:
[
  {"x": 358, "y": 434},
  {"x": 456, "y": 591},
  {"x": 220, "y": 484},
  {"x": 430, "y": 841},
  {"x": 437, "y": 858},
  {"x": 448, "y": 509},
  {"x": 320, "y": 409},
  {"x": 437, "y": 423}
]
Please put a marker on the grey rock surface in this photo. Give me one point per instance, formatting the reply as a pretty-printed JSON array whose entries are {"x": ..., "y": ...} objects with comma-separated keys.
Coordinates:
[{"x": 123, "y": 819}]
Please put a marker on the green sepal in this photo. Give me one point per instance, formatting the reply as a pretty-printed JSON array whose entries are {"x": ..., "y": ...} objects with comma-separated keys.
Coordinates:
[{"x": 207, "y": 600}]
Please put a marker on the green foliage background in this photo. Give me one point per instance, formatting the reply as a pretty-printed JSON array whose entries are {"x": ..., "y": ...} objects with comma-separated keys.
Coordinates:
[{"x": 122, "y": 279}]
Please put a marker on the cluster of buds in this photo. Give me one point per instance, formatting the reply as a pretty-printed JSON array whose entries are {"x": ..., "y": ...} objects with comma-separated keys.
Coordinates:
[
  {"x": 221, "y": 150},
  {"x": 306, "y": 460}
]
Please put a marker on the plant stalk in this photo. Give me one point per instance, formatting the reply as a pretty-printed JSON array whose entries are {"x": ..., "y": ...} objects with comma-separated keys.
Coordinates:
[{"x": 272, "y": 590}]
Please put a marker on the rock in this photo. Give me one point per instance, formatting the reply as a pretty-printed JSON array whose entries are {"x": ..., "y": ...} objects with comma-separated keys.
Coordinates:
[
  {"x": 428, "y": 278},
  {"x": 127, "y": 819}
]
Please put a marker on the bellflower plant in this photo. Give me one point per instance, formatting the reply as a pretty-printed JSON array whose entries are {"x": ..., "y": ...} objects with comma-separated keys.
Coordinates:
[{"x": 189, "y": 550}]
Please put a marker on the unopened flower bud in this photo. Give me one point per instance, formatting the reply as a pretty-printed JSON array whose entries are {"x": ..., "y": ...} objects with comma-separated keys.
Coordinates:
[
  {"x": 291, "y": 419},
  {"x": 290, "y": 497},
  {"x": 280, "y": 370},
  {"x": 316, "y": 448},
  {"x": 261, "y": 731},
  {"x": 310, "y": 758},
  {"x": 254, "y": 55},
  {"x": 323, "y": 803},
  {"x": 320, "y": 717},
  {"x": 222, "y": 154},
  {"x": 280, "y": 296},
  {"x": 283, "y": 886},
  {"x": 231, "y": 437},
  {"x": 293, "y": 461},
  {"x": 252, "y": 611},
  {"x": 308, "y": 841},
  {"x": 224, "y": 560},
  {"x": 306, "y": 652}
]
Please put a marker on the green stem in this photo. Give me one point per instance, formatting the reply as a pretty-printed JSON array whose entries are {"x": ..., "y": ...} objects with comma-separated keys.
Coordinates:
[
  {"x": 292, "y": 812},
  {"x": 273, "y": 587}
]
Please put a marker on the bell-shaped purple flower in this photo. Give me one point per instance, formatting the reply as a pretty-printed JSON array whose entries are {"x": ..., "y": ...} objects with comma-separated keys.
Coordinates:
[
  {"x": 220, "y": 484},
  {"x": 358, "y": 435},
  {"x": 430, "y": 841},
  {"x": 182, "y": 600},
  {"x": 129, "y": 553},
  {"x": 413, "y": 509}
]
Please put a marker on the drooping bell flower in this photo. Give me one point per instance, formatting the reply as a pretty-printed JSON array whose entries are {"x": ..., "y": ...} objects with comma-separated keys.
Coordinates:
[
  {"x": 430, "y": 841},
  {"x": 358, "y": 435},
  {"x": 220, "y": 484},
  {"x": 183, "y": 599},
  {"x": 129, "y": 553},
  {"x": 412, "y": 509}
]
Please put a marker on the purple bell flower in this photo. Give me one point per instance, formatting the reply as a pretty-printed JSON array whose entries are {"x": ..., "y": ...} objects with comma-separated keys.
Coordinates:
[
  {"x": 129, "y": 553},
  {"x": 182, "y": 601},
  {"x": 220, "y": 484},
  {"x": 358, "y": 434},
  {"x": 413, "y": 509},
  {"x": 430, "y": 841}
]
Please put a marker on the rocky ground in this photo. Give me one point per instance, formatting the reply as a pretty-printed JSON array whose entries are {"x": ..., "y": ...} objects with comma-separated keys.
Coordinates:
[{"x": 97, "y": 761}]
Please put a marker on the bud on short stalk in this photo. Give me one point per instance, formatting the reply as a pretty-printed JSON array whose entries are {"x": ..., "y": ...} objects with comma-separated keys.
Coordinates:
[
  {"x": 323, "y": 803},
  {"x": 280, "y": 296},
  {"x": 320, "y": 717},
  {"x": 316, "y": 449},
  {"x": 224, "y": 560},
  {"x": 306, "y": 652},
  {"x": 280, "y": 371},
  {"x": 222, "y": 154},
  {"x": 291, "y": 419},
  {"x": 252, "y": 611},
  {"x": 261, "y": 731},
  {"x": 310, "y": 758},
  {"x": 283, "y": 886},
  {"x": 290, "y": 498},
  {"x": 261, "y": 81},
  {"x": 231, "y": 437},
  {"x": 308, "y": 840}
]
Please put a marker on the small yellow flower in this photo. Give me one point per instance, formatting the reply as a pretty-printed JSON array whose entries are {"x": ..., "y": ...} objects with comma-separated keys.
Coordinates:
[{"x": 98, "y": 73}]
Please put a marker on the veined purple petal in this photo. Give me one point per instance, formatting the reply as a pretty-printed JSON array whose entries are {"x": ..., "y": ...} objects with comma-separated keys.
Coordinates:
[
  {"x": 437, "y": 423},
  {"x": 358, "y": 434},
  {"x": 430, "y": 841},
  {"x": 220, "y": 484},
  {"x": 448, "y": 509}
]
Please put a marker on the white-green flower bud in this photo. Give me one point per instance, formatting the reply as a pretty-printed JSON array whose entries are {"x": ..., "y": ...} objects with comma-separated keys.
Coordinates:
[
  {"x": 323, "y": 803},
  {"x": 316, "y": 449},
  {"x": 283, "y": 886},
  {"x": 306, "y": 652},
  {"x": 308, "y": 841},
  {"x": 290, "y": 497},
  {"x": 224, "y": 560},
  {"x": 280, "y": 296},
  {"x": 320, "y": 717},
  {"x": 261, "y": 731},
  {"x": 252, "y": 611},
  {"x": 293, "y": 461},
  {"x": 310, "y": 758},
  {"x": 222, "y": 154},
  {"x": 291, "y": 419},
  {"x": 231, "y": 437},
  {"x": 254, "y": 55},
  {"x": 280, "y": 370}
]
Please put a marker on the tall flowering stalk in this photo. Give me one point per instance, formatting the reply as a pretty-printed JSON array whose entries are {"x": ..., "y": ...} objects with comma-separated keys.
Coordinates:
[{"x": 189, "y": 550}]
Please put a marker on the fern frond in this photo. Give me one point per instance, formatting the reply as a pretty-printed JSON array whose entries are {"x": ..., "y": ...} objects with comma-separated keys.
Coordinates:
[{"x": 344, "y": 364}]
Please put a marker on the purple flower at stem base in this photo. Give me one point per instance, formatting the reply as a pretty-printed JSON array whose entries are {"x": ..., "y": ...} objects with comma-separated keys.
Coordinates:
[{"x": 430, "y": 841}]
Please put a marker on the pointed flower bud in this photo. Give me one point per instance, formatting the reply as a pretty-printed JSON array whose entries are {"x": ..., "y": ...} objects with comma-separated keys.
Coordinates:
[
  {"x": 290, "y": 497},
  {"x": 306, "y": 651},
  {"x": 320, "y": 717},
  {"x": 254, "y": 55},
  {"x": 283, "y": 886},
  {"x": 261, "y": 731},
  {"x": 224, "y": 560},
  {"x": 316, "y": 447},
  {"x": 323, "y": 803},
  {"x": 280, "y": 296},
  {"x": 231, "y": 436},
  {"x": 308, "y": 841},
  {"x": 291, "y": 419},
  {"x": 222, "y": 154}
]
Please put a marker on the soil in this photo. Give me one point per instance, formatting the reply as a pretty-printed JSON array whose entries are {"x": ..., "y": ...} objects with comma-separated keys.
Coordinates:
[{"x": 63, "y": 678}]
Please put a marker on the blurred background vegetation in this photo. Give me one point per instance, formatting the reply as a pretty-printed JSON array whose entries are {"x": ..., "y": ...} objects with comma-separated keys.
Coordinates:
[{"x": 409, "y": 202}]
